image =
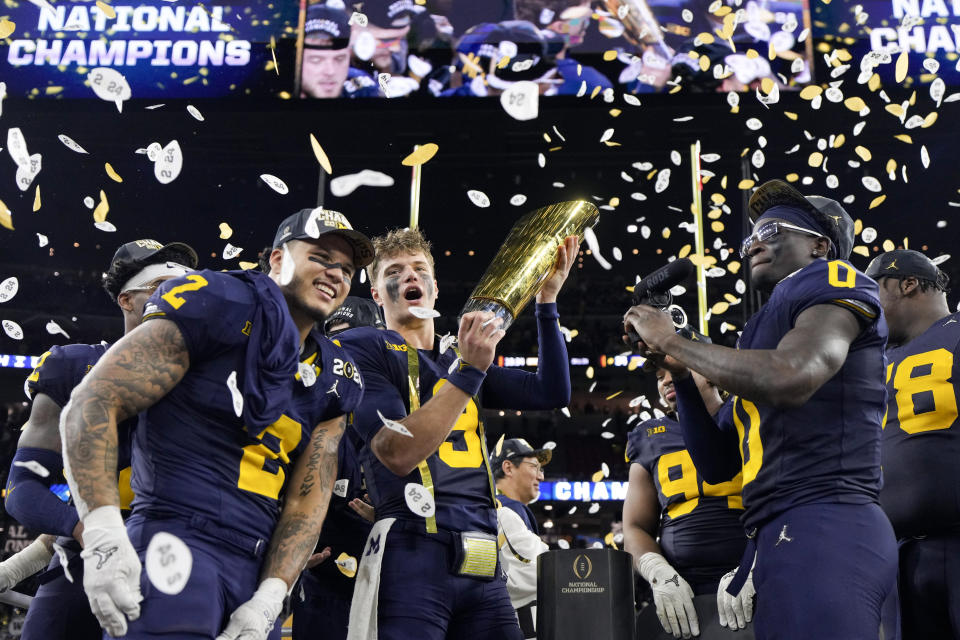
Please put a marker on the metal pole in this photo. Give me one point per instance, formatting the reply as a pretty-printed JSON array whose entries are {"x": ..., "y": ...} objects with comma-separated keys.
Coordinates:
[
  {"x": 698, "y": 218},
  {"x": 415, "y": 193}
]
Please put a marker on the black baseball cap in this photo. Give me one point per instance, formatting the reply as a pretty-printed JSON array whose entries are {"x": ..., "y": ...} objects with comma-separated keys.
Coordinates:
[
  {"x": 354, "y": 312},
  {"x": 391, "y": 14},
  {"x": 330, "y": 22},
  {"x": 831, "y": 218},
  {"x": 310, "y": 224},
  {"x": 517, "y": 448},
  {"x": 902, "y": 263},
  {"x": 146, "y": 249},
  {"x": 688, "y": 332}
]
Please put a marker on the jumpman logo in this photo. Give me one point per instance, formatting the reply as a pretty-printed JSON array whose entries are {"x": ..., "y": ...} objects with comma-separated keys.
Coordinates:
[
  {"x": 333, "y": 389},
  {"x": 893, "y": 265},
  {"x": 675, "y": 580},
  {"x": 103, "y": 555},
  {"x": 836, "y": 220},
  {"x": 783, "y": 536}
]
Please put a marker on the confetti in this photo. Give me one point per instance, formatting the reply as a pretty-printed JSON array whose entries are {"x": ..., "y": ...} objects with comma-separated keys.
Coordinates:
[
  {"x": 88, "y": 202},
  {"x": 36, "y": 199},
  {"x": 869, "y": 235},
  {"x": 594, "y": 507},
  {"x": 321, "y": 155},
  {"x": 235, "y": 394},
  {"x": 937, "y": 89},
  {"x": 346, "y": 184},
  {"x": 42, "y": 239},
  {"x": 518, "y": 199},
  {"x": 419, "y": 499},
  {"x": 358, "y": 19},
  {"x": 53, "y": 328},
  {"x": 168, "y": 563},
  {"x": 478, "y": 198},
  {"x": 941, "y": 259},
  {"x": 106, "y": 225},
  {"x": 447, "y": 341},
  {"x": 347, "y": 564},
  {"x": 308, "y": 375},
  {"x": 607, "y": 135},
  {"x": 69, "y": 143},
  {"x": 111, "y": 173},
  {"x": 423, "y": 313},
  {"x": 591, "y": 239},
  {"x": 550, "y": 445},
  {"x": 521, "y": 100},
  {"x": 541, "y": 160},
  {"x": 561, "y": 542},
  {"x": 871, "y": 184},
  {"x": 225, "y": 231},
  {"x": 230, "y": 252},
  {"x": 169, "y": 162},
  {"x": 13, "y": 330},
  {"x": 903, "y": 62},
  {"x": 924, "y": 156},
  {"x": 597, "y": 477},
  {"x": 421, "y": 155},
  {"x": 275, "y": 183},
  {"x": 607, "y": 435},
  {"x": 103, "y": 207},
  {"x": 109, "y": 84},
  {"x": 631, "y": 99},
  {"x": 663, "y": 181},
  {"x": 106, "y": 9},
  {"x": 876, "y": 202},
  {"x": 7, "y": 27},
  {"x": 193, "y": 111},
  {"x": 17, "y": 146}
]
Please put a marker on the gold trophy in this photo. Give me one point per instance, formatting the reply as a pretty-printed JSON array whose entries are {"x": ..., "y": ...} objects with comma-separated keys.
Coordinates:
[
  {"x": 641, "y": 25},
  {"x": 527, "y": 256}
]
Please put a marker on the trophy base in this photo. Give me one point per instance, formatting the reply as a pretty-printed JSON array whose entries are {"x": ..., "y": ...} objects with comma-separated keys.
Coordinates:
[{"x": 486, "y": 304}]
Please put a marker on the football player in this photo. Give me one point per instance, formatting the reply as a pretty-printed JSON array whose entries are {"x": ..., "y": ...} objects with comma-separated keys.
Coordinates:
[
  {"x": 239, "y": 398},
  {"x": 804, "y": 425},
  {"x": 60, "y": 609},
  {"x": 697, "y": 523},
  {"x": 921, "y": 440},
  {"x": 429, "y": 568}
]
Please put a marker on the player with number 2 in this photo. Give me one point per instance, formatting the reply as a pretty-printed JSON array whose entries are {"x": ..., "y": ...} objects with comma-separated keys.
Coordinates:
[{"x": 804, "y": 424}]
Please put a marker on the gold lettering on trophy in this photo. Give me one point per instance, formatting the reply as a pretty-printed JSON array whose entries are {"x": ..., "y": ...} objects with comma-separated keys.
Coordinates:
[{"x": 583, "y": 587}]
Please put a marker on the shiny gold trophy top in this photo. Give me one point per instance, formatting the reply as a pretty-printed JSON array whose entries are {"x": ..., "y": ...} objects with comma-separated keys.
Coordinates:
[
  {"x": 527, "y": 256},
  {"x": 641, "y": 25}
]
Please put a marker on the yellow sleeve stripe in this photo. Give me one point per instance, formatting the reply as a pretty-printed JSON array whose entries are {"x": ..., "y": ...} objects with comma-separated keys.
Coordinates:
[
  {"x": 155, "y": 314},
  {"x": 857, "y": 306}
]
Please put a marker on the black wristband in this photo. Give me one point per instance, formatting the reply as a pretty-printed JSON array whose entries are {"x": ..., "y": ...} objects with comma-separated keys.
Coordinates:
[{"x": 468, "y": 379}]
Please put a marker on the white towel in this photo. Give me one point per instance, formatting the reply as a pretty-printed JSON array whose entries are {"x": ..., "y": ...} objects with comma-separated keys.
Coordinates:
[{"x": 366, "y": 592}]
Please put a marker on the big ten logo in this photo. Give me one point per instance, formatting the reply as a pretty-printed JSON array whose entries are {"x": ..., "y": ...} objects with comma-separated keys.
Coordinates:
[
  {"x": 347, "y": 370},
  {"x": 582, "y": 567},
  {"x": 654, "y": 430},
  {"x": 17, "y": 539}
]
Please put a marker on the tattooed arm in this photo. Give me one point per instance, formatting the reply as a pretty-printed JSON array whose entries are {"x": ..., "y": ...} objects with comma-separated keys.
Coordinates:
[
  {"x": 306, "y": 501},
  {"x": 131, "y": 376}
]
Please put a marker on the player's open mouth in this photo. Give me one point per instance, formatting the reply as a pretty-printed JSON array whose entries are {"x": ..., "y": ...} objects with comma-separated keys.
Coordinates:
[
  {"x": 325, "y": 288},
  {"x": 413, "y": 294}
]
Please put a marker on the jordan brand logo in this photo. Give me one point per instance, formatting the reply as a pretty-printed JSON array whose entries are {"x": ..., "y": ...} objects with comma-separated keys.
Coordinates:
[
  {"x": 333, "y": 389},
  {"x": 836, "y": 220},
  {"x": 675, "y": 580},
  {"x": 944, "y": 324},
  {"x": 783, "y": 536},
  {"x": 893, "y": 265},
  {"x": 103, "y": 555}
]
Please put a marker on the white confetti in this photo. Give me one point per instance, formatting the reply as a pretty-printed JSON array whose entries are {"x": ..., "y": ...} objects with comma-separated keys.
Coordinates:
[
  {"x": 869, "y": 235},
  {"x": 64, "y": 562},
  {"x": 565, "y": 411},
  {"x": 607, "y": 435},
  {"x": 521, "y": 100},
  {"x": 42, "y": 239},
  {"x": 155, "y": 106},
  {"x": 346, "y": 184},
  {"x": 594, "y": 507},
  {"x": 53, "y": 328},
  {"x": 937, "y": 89},
  {"x": 757, "y": 159},
  {"x": 675, "y": 157},
  {"x": 687, "y": 15},
  {"x": 275, "y": 183},
  {"x": 924, "y": 156},
  {"x": 13, "y": 330},
  {"x": 631, "y": 99},
  {"x": 446, "y": 342},
  {"x": 33, "y": 466},
  {"x": 550, "y": 445},
  {"x": 663, "y": 181},
  {"x": 607, "y": 135},
  {"x": 27, "y": 172},
  {"x": 871, "y": 184},
  {"x": 106, "y": 225},
  {"x": 541, "y": 160},
  {"x": 453, "y": 366},
  {"x": 71, "y": 144},
  {"x": 169, "y": 163},
  {"x": 89, "y": 202},
  {"x": 17, "y": 146},
  {"x": 9, "y": 288},
  {"x": 168, "y": 563},
  {"x": 109, "y": 84},
  {"x": 358, "y": 19},
  {"x": 931, "y": 65},
  {"x": 478, "y": 198},
  {"x": 308, "y": 375},
  {"x": 393, "y": 425},
  {"x": 235, "y": 393},
  {"x": 153, "y": 151},
  {"x": 645, "y": 232},
  {"x": 941, "y": 224},
  {"x": 857, "y": 128},
  {"x": 518, "y": 199},
  {"x": 230, "y": 252},
  {"x": 192, "y": 110},
  {"x": 733, "y": 99},
  {"x": 591, "y": 239},
  {"x": 941, "y": 259},
  {"x": 832, "y": 181},
  {"x": 419, "y": 499},
  {"x": 605, "y": 469},
  {"x": 638, "y": 196},
  {"x": 617, "y": 254},
  {"x": 424, "y": 313},
  {"x": 562, "y": 542}
]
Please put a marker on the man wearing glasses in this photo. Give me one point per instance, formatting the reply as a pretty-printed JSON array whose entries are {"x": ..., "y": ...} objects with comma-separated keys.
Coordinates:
[
  {"x": 518, "y": 470},
  {"x": 804, "y": 424}
]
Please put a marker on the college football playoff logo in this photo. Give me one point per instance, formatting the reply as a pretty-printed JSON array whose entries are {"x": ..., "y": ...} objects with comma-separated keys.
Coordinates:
[{"x": 582, "y": 567}]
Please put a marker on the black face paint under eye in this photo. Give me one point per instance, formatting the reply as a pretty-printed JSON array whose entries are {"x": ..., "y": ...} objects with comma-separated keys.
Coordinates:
[
  {"x": 332, "y": 265},
  {"x": 392, "y": 286}
]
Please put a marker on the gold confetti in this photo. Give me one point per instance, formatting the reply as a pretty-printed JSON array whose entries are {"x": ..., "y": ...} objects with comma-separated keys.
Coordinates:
[
  {"x": 746, "y": 184},
  {"x": 894, "y": 109},
  {"x": 608, "y": 540},
  {"x": 903, "y": 61},
  {"x": 838, "y": 141},
  {"x": 106, "y": 9},
  {"x": 614, "y": 395},
  {"x": 732, "y": 299},
  {"x": 891, "y": 165},
  {"x": 855, "y": 104},
  {"x": 888, "y": 245},
  {"x": 792, "y": 177},
  {"x": 863, "y": 152},
  {"x": 7, "y": 27},
  {"x": 347, "y": 564},
  {"x": 913, "y": 98},
  {"x": 703, "y": 261},
  {"x": 246, "y": 266},
  {"x": 719, "y": 307},
  {"x": 609, "y": 55},
  {"x": 225, "y": 231},
  {"x": 421, "y": 155},
  {"x": 321, "y": 155},
  {"x": 705, "y": 63},
  {"x": 706, "y": 38},
  {"x": 902, "y": 137},
  {"x": 790, "y": 114},
  {"x": 36, "y": 199},
  {"x": 684, "y": 251},
  {"x": 861, "y": 250},
  {"x": 499, "y": 447},
  {"x": 766, "y": 85},
  {"x": 598, "y": 476},
  {"x": 100, "y": 213},
  {"x": 857, "y": 226},
  {"x": 714, "y": 214},
  {"x": 633, "y": 364},
  {"x": 666, "y": 232},
  {"x": 929, "y": 120},
  {"x": 589, "y": 373},
  {"x": 733, "y": 267},
  {"x": 718, "y": 198},
  {"x": 716, "y": 226},
  {"x": 614, "y": 201},
  {"x": 815, "y": 159},
  {"x": 874, "y": 82},
  {"x": 810, "y": 92},
  {"x": 113, "y": 174},
  {"x": 6, "y": 216},
  {"x": 615, "y": 112},
  {"x": 876, "y": 203}
]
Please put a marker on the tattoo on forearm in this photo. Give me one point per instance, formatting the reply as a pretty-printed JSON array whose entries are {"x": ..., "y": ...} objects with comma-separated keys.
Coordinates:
[{"x": 130, "y": 377}]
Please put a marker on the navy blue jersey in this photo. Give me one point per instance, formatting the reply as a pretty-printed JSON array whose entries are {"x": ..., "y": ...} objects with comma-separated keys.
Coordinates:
[
  {"x": 462, "y": 481},
  {"x": 359, "y": 85},
  {"x": 344, "y": 531},
  {"x": 61, "y": 369},
  {"x": 921, "y": 435},
  {"x": 192, "y": 453},
  {"x": 828, "y": 450},
  {"x": 700, "y": 530}
]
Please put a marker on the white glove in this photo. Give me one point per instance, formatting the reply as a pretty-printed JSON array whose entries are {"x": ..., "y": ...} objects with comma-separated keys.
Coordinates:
[
  {"x": 735, "y": 611},
  {"x": 254, "y": 619},
  {"x": 111, "y": 570},
  {"x": 672, "y": 596},
  {"x": 26, "y": 562}
]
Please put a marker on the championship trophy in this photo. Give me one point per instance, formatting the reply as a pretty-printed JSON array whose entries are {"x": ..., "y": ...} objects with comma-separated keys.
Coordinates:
[
  {"x": 640, "y": 25},
  {"x": 527, "y": 256}
]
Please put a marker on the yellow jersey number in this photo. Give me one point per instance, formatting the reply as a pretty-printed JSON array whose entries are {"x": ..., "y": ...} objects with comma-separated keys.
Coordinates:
[
  {"x": 468, "y": 423},
  {"x": 253, "y": 476},
  {"x": 173, "y": 298},
  {"x": 933, "y": 371},
  {"x": 751, "y": 448},
  {"x": 688, "y": 484}
]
